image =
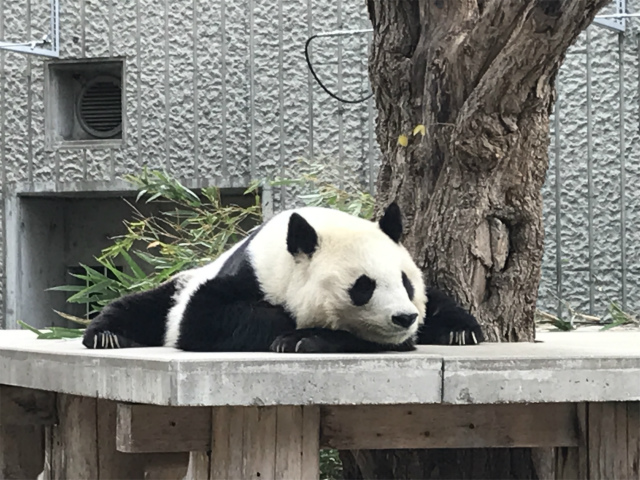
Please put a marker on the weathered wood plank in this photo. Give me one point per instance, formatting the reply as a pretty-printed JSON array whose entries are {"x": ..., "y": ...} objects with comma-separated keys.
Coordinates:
[
  {"x": 199, "y": 466},
  {"x": 310, "y": 442},
  {"x": 633, "y": 440},
  {"x": 259, "y": 454},
  {"x": 264, "y": 443},
  {"x": 290, "y": 433},
  {"x": 26, "y": 406},
  {"x": 611, "y": 437},
  {"x": 21, "y": 451},
  {"x": 83, "y": 443},
  {"x": 151, "y": 428},
  {"x": 572, "y": 462},
  {"x": 74, "y": 445},
  {"x": 449, "y": 426},
  {"x": 112, "y": 463},
  {"x": 167, "y": 466},
  {"x": 225, "y": 430}
]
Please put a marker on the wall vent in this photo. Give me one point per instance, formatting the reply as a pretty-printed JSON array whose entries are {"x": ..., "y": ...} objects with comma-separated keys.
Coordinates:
[
  {"x": 85, "y": 103},
  {"x": 99, "y": 107}
]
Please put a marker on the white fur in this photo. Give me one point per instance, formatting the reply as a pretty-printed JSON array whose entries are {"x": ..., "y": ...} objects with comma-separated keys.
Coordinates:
[{"x": 316, "y": 290}]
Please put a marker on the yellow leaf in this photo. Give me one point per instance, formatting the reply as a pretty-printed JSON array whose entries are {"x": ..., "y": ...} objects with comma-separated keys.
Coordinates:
[
  {"x": 153, "y": 244},
  {"x": 419, "y": 129},
  {"x": 403, "y": 140}
]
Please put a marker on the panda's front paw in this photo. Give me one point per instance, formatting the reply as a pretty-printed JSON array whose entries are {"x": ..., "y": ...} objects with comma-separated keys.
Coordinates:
[
  {"x": 451, "y": 334},
  {"x": 105, "y": 339},
  {"x": 299, "y": 342}
]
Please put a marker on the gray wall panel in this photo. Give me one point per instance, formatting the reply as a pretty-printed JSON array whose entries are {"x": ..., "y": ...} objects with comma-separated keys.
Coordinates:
[
  {"x": 548, "y": 291},
  {"x": 323, "y": 55},
  {"x": 70, "y": 165},
  {"x": 237, "y": 151},
  {"x": 98, "y": 24},
  {"x": 73, "y": 38},
  {"x": 42, "y": 164},
  {"x": 266, "y": 109},
  {"x": 15, "y": 117},
  {"x": 98, "y": 163},
  {"x": 180, "y": 67},
  {"x": 295, "y": 97},
  {"x": 605, "y": 98},
  {"x": 574, "y": 217},
  {"x": 209, "y": 56},
  {"x": 153, "y": 125}
]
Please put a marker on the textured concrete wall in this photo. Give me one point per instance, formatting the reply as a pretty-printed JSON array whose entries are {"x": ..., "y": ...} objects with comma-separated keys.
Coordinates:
[
  {"x": 218, "y": 92},
  {"x": 215, "y": 91},
  {"x": 591, "y": 210}
]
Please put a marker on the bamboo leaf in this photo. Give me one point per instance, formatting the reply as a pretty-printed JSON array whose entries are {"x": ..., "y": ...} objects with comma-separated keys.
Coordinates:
[{"x": 73, "y": 318}]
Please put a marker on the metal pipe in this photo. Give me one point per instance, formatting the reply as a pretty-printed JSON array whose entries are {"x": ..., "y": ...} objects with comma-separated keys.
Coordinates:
[
  {"x": 590, "y": 179},
  {"x": 623, "y": 174}
]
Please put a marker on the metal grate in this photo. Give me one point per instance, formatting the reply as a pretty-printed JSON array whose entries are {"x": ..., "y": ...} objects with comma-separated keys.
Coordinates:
[{"x": 99, "y": 107}]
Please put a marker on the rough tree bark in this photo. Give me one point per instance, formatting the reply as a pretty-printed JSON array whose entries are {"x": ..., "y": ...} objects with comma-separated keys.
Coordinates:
[{"x": 479, "y": 75}]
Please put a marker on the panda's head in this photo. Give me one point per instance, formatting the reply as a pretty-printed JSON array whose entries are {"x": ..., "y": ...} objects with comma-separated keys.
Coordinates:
[{"x": 353, "y": 274}]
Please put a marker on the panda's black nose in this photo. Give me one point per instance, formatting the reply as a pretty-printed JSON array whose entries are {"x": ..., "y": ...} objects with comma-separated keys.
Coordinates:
[{"x": 405, "y": 320}]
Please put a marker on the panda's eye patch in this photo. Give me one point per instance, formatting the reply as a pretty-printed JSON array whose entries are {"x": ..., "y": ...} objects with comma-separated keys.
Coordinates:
[
  {"x": 362, "y": 290},
  {"x": 408, "y": 286}
]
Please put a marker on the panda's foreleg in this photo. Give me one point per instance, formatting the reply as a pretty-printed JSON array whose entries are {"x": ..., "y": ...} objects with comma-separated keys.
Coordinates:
[
  {"x": 447, "y": 323},
  {"x": 323, "y": 340},
  {"x": 234, "y": 327},
  {"x": 135, "y": 320},
  {"x": 224, "y": 315}
]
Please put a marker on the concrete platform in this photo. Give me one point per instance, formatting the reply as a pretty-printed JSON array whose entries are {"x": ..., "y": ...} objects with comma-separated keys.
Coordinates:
[{"x": 562, "y": 367}]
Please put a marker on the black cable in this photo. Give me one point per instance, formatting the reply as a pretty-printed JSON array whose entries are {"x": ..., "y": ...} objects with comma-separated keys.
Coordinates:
[{"x": 343, "y": 100}]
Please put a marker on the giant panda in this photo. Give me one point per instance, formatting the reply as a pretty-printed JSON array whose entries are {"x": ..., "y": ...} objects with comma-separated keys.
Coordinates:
[{"x": 308, "y": 280}]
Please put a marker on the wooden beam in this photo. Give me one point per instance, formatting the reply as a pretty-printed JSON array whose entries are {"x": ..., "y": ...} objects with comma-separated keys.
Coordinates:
[
  {"x": 144, "y": 428},
  {"x": 152, "y": 428},
  {"x": 449, "y": 426},
  {"x": 26, "y": 406}
]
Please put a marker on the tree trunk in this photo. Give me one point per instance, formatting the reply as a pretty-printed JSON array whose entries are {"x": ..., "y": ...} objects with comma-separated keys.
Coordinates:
[{"x": 479, "y": 76}]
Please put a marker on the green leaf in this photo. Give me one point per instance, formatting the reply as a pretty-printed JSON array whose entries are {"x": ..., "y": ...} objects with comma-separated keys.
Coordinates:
[
  {"x": 29, "y": 327},
  {"x": 138, "y": 272},
  {"x": 66, "y": 288},
  {"x": 83, "y": 295}
]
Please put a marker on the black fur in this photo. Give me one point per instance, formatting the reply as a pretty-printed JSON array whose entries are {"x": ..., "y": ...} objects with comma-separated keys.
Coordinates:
[
  {"x": 324, "y": 340},
  {"x": 391, "y": 222},
  {"x": 301, "y": 237},
  {"x": 135, "y": 319},
  {"x": 447, "y": 322},
  {"x": 408, "y": 286},
  {"x": 362, "y": 290}
]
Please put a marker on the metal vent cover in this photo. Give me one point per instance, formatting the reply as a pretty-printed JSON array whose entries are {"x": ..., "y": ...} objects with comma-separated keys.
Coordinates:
[{"x": 99, "y": 106}]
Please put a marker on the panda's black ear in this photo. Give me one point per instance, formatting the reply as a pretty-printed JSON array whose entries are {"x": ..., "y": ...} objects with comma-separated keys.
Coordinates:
[
  {"x": 391, "y": 222},
  {"x": 301, "y": 237}
]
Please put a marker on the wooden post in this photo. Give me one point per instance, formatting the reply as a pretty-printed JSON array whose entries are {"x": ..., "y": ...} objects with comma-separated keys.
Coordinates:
[
  {"x": 613, "y": 440},
  {"x": 265, "y": 443},
  {"x": 23, "y": 414},
  {"x": 83, "y": 444}
]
